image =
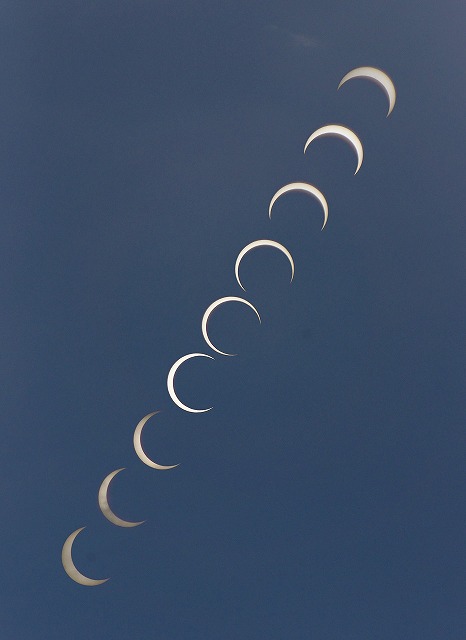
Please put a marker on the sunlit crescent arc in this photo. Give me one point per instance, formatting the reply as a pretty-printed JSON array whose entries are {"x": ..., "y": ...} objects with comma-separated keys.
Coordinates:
[
  {"x": 138, "y": 446},
  {"x": 211, "y": 308},
  {"x": 307, "y": 188},
  {"x": 69, "y": 566},
  {"x": 380, "y": 77},
  {"x": 341, "y": 132},
  {"x": 171, "y": 382},
  {"x": 262, "y": 243},
  {"x": 105, "y": 507}
]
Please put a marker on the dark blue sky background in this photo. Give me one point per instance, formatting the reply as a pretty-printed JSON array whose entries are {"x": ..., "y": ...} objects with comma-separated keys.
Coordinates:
[{"x": 323, "y": 496}]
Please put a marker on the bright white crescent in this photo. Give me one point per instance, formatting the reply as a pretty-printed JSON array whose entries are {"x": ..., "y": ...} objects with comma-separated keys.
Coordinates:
[
  {"x": 341, "y": 132},
  {"x": 105, "y": 507},
  {"x": 171, "y": 381},
  {"x": 211, "y": 308},
  {"x": 69, "y": 566},
  {"x": 380, "y": 77},
  {"x": 307, "y": 188},
  {"x": 138, "y": 446},
  {"x": 262, "y": 243}
]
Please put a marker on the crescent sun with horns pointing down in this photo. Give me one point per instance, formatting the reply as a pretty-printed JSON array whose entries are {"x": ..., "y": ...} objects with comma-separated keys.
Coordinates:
[
  {"x": 379, "y": 77},
  {"x": 339, "y": 131}
]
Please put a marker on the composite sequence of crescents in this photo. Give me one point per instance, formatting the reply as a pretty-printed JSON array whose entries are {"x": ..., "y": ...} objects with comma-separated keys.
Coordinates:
[
  {"x": 211, "y": 308},
  {"x": 371, "y": 73},
  {"x": 262, "y": 243},
  {"x": 339, "y": 131},
  {"x": 140, "y": 451},
  {"x": 69, "y": 566},
  {"x": 171, "y": 382},
  {"x": 105, "y": 507},
  {"x": 379, "y": 77},
  {"x": 306, "y": 188}
]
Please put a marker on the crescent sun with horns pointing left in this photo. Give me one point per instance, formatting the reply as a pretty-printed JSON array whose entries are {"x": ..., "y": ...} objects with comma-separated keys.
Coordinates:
[
  {"x": 69, "y": 566},
  {"x": 138, "y": 446},
  {"x": 105, "y": 507}
]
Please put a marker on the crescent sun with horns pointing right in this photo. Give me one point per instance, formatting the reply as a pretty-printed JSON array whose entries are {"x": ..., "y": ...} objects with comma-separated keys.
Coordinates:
[
  {"x": 69, "y": 566},
  {"x": 138, "y": 445}
]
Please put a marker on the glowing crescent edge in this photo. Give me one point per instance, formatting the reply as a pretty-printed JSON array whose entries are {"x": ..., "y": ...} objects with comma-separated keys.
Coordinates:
[
  {"x": 342, "y": 132},
  {"x": 307, "y": 188},
  {"x": 262, "y": 243},
  {"x": 138, "y": 445},
  {"x": 211, "y": 308},
  {"x": 69, "y": 566},
  {"x": 380, "y": 78},
  {"x": 105, "y": 507},
  {"x": 171, "y": 381}
]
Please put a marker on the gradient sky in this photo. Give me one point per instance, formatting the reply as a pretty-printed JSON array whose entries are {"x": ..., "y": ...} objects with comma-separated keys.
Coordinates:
[{"x": 323, "y": 496}]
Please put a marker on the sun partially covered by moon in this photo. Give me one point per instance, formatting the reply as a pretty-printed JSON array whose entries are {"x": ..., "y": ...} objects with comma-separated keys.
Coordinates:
[
  {"x": 105, "y": 507},
  {"x": 138, "y": 445},
  {"x": 378, "y": 76},
  {"x": 262, "y": 243},
  {"x": 211, "y": 308},
  {"x": 306, "y": 188},
  {"x": 337, "y": 130},
  {"x": 171, "y": 382},
  {"x": 69, "y": 566}
]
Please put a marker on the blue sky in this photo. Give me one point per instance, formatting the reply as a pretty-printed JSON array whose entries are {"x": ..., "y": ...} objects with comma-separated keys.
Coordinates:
[{"x": 323, "y": 495}]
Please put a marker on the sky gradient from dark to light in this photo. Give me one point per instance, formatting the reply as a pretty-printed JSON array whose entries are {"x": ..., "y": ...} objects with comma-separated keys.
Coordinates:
[{"x": 323, "y": 496}]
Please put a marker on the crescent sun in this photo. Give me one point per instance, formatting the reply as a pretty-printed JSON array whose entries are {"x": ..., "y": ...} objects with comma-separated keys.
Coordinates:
[
  {"x": 105, "y": 507},
  {"x": 307, "y": 188},
  {"x": 378, "y": 76},
  {"x": 341, "y": 132},
  {"x": 69, "y": 566},
  {"x": 262, "y": 243},
  {"x": 171, "y": 382},
  {"x": 211, "y": 308},
  {"x": 138, "y": 446}
]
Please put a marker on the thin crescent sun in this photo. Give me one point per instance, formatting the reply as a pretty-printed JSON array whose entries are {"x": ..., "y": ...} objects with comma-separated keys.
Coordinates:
[
  {"x": 138, "y": 445},
  {"x": 171, "y": 382},
  {"x": 379, "y": 77},
  {"x": 306, "y": 188},
  {"x": 69, "y": 566},
  {"x": 105, "y": 507},
  {"x": 211, "y": 308},
  {"x": 341, "y": 132},
  {"x": 262, "y": 243}
]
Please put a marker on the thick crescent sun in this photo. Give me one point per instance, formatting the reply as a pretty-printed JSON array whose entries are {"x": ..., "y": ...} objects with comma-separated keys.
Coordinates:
[
  {"x": 69, "y": 566},
  {"x": 105, "y": 507}
]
